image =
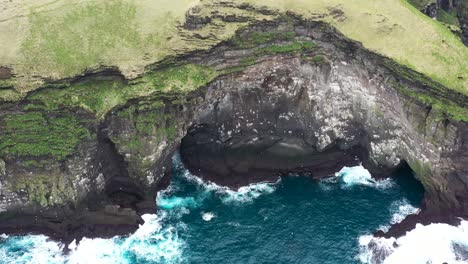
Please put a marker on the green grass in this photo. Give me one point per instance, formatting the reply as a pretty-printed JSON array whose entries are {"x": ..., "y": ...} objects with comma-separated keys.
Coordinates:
[
  {"x": 150, "y": 122},
  {"x": 395, "y": 29},
  {"x": 181, "y": 78},
  {"x": 34, "y": 134},
  {"x": 45, "y": 190},
  {"x": 64, "y": 40},
  {"x": 253, "y": 39},
  {"x": 442, "y": 106},
  {"x": 83, "y": 38},
  {"x": 318, "y": 59},
  {"x": 420, "y": 4},
  {"x": 447, "y": 18},
  {"x": 297, "y": 46},
  {"x": 101, "y": 96}
]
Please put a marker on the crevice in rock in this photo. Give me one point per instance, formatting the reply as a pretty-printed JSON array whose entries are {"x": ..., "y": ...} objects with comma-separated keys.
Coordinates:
[{"x": 119, "y": 187}]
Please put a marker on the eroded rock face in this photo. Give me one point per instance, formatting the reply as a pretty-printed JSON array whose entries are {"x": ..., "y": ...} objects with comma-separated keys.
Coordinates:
[
  {"x": 285, "y": 115},
  {"x": 275, "y": 117},
  {"x": 310, "y": 103}
]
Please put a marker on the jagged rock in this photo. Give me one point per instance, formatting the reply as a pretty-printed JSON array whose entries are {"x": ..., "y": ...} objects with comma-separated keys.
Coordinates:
[
  {"x": 431, "y": 10},
  {"x": 306, "y": 100}
]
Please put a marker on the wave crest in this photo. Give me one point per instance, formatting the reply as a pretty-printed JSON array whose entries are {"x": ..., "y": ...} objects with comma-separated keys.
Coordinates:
[{"x": 434, "y": 243}]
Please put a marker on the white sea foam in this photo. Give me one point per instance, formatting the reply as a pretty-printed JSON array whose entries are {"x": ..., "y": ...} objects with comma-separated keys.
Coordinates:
[
  {"x": 246, "y": 193},
  {"x": 400, "y": 210},
  {"x": 434, "y": 243},
  {"x": 170, "y": 202},
  {"x": 151, "y": 243},
  {"x": 31, "y": 249},
  {"x": 358, "y": 175},
  {"x": 208, "y": 216},
  {"x": 243, "y": 194}
]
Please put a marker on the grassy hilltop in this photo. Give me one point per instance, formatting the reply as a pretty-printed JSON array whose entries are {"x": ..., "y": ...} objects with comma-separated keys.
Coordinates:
[{"x": 54, "y": 39}]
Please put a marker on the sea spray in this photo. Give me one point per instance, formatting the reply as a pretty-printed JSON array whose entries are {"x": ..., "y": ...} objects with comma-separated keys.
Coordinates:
[
  {"x": 434, "y": 243},
  {"x": 167, "y": 199},
  {"x": 208, "y": 216},
  {"x": 153, "y": 242},
  {"x": 293, "y": 220},
  {"x": 349, "y": 177},
  {"x": 399, "y": 210},
  {"x": 30, "y": 249}
]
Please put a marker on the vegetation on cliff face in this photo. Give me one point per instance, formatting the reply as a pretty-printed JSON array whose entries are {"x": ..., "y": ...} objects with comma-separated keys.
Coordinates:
[
  {"x": 60, "y": 41},
  {"x": 396, "y": 29},
  {"x": 445, "y": 108},
  {"x": 147, "y": 125},
  {"x": 420, "y": 4},
  {"x": 35, "y": 134},
  {"x": 46, "y": 190},
  {"x": 100, "y": 96}
]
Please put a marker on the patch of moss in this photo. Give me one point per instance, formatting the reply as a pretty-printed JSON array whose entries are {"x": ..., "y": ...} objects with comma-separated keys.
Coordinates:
[
  {"x": 150, "y": 123},
  {"x": 318, "y": 59},
  {"x": 297, "y": 46},
  {"x": 2, "y": 167},
  {"x": 253, "y": 39},
  {"x": 421, "y": 4},
  {"x": 448, "y": 18},
  {"x": 416, "y": 77},
  {"x": 248, "y": 61},
  {"x": 421, "y": 169},
  {"x": 46, "y": 190},
  {"x": 180, "y": 78},
  {"x": 449, "y": 108},
  {"x": 7, "y": 84},
  {"x": 101, "y": 96},
  {"x": 34, "y": 134},
  {"x": 97, "y": 96},
  {"x": 10, "y": 95},
  {"x": 31, "y": 163}
]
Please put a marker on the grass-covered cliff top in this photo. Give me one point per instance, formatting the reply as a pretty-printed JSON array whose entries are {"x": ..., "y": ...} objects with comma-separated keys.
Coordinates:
[{"x": 44, "y": 40}]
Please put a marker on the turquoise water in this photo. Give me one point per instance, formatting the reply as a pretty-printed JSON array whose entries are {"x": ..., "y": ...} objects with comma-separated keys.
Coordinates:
[{"x": 294, "y": 220}]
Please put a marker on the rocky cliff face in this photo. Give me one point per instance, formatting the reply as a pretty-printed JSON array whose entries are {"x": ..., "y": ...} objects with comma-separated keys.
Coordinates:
[{"x": 287, "y": 96}]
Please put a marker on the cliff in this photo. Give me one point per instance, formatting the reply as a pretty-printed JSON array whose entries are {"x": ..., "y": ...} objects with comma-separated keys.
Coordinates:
[{"x": 248, "y": 93}]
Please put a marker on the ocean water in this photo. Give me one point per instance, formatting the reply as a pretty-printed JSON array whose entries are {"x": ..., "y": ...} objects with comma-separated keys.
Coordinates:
[{"x": 293, "y": 220}]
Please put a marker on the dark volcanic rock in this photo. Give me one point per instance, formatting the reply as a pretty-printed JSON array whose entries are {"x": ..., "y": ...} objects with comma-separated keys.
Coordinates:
[
  {"x": 308, "y": 111},
  {"x": 244, "y": 159},
  {"x": 69, "y": 225}
]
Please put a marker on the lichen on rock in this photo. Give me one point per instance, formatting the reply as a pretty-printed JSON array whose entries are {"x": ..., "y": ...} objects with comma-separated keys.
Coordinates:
[{"x": 2, "y": 167}]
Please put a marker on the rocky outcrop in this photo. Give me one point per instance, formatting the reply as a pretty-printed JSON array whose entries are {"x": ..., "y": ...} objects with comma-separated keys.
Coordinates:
[
  {"x": 448, "y": 11},
  {"x": 286, "y": 96}
]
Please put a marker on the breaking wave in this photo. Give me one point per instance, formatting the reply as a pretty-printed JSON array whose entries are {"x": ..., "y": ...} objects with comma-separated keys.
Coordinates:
[
  {"x": 349, "y": 177},
  {"x": 151, "y": 243},
  {"x": 168, "y": 200},
  {"x": 193, "y": 210},
  {"x": 434, "y": 243}
]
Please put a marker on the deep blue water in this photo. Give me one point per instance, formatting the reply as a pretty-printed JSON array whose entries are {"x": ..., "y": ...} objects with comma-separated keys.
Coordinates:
[
  {"x": 298, "y": 220},
  {"x": 295, "y": 220}
]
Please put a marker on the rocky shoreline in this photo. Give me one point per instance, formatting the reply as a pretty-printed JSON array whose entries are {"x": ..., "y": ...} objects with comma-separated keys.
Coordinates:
[{"x": 282, "y": 97}]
